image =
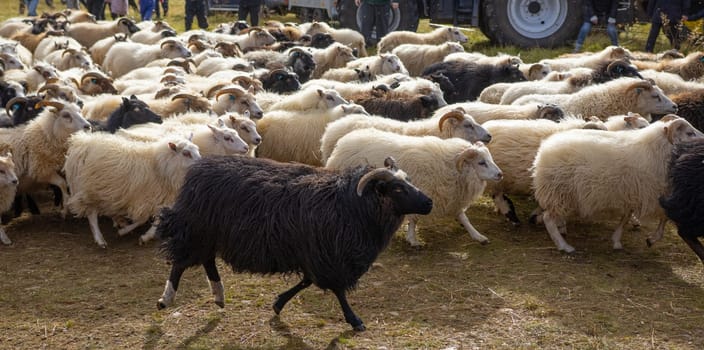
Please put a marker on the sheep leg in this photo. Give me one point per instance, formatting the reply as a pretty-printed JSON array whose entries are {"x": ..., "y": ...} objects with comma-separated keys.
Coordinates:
[
  {"x": 411, "y": 233},
  {"x": 284, "y": 297},
  {"x": 58, "y": 181},
  {"x": 693, "y": 242},
  {"x": 350, "y": 317},
  {"x": 3, "y": 237},
  {"x": 472, "y": 231},
  {"x": 616, "y": 237},
  {"x": 129, "y": 228},
  {"x": 167, "y": 298},
  {"x": 536, "y": 216},
  {"x": 31, "y": 204},
  {"x": 635, "y": 221},
  {"x": 97, "y": 235},
  {"x": 657, "y": 235},
  {"x": 551, "y": 222},
  {"x": 216, "y": 285},
  {"x": 506, "y": 207},
  {"x": 149, "y": 235}
]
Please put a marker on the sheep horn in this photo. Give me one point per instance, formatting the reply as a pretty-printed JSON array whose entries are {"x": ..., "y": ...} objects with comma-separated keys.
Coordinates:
[
  {"x": 68, "y": 51},
  {"x": 93, "y": 75},
  {"x": 233, "y": 90},
  {"x": 469, "y": 153},
  {"x": 383, "y": 174},
  {"x": 52, "y": 87},
  {"x": 74, "y": 81},
  {"x": 644, "y": 84},
  {"x": 162, "y": 93},
  {"x": 58, "y": 105},
  {"x": 214, "y": 89},
  {"x": 170, "y": 41},
  {"x": 254, "y": 29},
  {"x": 296, "y": 49},
  {"x": 451, "y": 114},
  {"x": 186, "y": 96},
  {"x": 13, "y": 101}
]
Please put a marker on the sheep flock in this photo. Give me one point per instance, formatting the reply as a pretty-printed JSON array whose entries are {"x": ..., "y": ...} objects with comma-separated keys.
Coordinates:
[{"x": 206, "y": 138}]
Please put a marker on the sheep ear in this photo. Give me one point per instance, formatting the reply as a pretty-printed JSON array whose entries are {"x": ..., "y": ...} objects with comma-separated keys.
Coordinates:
[
  {"x": 321, "y": 92},
  {"x": 8, "y": 154},
  {"x": 630, "y": 120},
  {"x": 221, "y": 123},
  {"x": 173, "y": 147}
]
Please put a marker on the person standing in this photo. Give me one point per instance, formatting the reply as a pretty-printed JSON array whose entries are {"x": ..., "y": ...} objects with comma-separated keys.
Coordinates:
[
  {"x": 164, "y": 4},
  {"x": 32, "y": 8},
  {"x": 96, "y": 8},
  {"x": 118, "y": 8},
  {"x": 674, "y": 12},
  {"x": 375, "y": 13},
  {"x": 146, "y": 8},
  {"x": 196, "y": 8},
  {"x": 592, "y": 11},
  {"x": 251, "y": 7}
]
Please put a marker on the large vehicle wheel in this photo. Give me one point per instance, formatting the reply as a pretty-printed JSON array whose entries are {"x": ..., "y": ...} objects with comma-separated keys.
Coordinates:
[{"x": 532, "y": 23}]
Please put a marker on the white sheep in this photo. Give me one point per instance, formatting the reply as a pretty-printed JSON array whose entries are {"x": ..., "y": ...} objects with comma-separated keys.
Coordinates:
[
  {"x": 630, "y": 121},
  {"x": 88, "y": 33},
  {"x": 124, "y": 57},
  {"x": 334, "y": 56},
  {"x": 593, "y": 61},
  {"x": 451, "y": 124},
  {"x": 514, "y": 145},
  {"x": 256, "y": 37},
  {"x": 39, "y": 149},
  {"x": 213, "y": 65},
  {"x": 453, "y": 172},
  {"x": 483, "y": 112},
  {"x": 292, "y": 136},
  {"x": 538, "y": 87},
  {"x": 345, "y": 36},
  {"x": 671, "y": 83},
  {"x": 417, "y": 57},
  {"x": 246, "y": 129},
  {"x": 590, "y": 173},
  {"x": 8, "y": 189},
  {"x": 346, "y": 75},
  {"x": 480, "y": 58},
  {"x": 112, "y": 176},
  {"x": 102, "y": 46},
  {"x": 535, "y": 71},
  {"x": 233, "y": 98},
  {"x": 436, "y": 37},
  {"x": 689, "y": 68},
  {"x": 612, "y": 98},
  {"x": 312, "y": 97},
  {"x": 70, "y": 58},
  {"x": 381, "y": 64},
  {"x": 55, "y": 43}
]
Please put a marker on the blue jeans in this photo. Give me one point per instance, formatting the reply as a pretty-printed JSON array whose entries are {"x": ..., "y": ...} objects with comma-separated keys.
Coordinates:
[
  {"x": 611, "y": 31},
  {"x": 146, "y": 7},
  {"x": 32, "y": 7}
]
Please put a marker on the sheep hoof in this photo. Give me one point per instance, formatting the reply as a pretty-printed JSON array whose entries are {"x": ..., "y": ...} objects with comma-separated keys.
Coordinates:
[
  {"x": 221, "y": 304},
  {"x": 103, "y": 245},
  {"x": 160, "y": 305},
  {"x": 568, "y": 249},
  {"x": 648, "y": 242},
  {"x": 277, "y": 309},
  {"x": 618, "y": 246},
  {"x": 359, "y": 328},
  {"x": 533, "y": 219},
  {"x": 484, "y": 242}
]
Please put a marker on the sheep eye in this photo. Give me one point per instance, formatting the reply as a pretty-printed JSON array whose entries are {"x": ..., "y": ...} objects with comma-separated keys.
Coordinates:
[
  {"x": 482, "y": 163},
  {"x": 228, "y": 138},
  {"x": 187, "y": 154},
  {"x": 690, "y": 134},
  {"x": 329, "y": 98},
  {"x": 244, "y": 128},
  {"x": 67, "y": 117}
]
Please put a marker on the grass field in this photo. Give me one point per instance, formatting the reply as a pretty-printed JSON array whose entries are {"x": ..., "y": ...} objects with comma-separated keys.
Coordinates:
[{"x": 58, "y": 290}]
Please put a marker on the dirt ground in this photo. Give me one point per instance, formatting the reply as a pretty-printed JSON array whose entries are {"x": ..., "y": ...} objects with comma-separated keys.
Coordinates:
[{"x": 59, "y": 290}]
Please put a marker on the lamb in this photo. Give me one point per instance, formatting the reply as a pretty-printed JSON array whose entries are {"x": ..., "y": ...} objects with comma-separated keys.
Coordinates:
[
  {"x": 88, "y": 33},
  {"x": 513, "y": 146},
  {"x": 613, "y": 98},
  {"x": 8, "y": 188},
  {"x": 382, "y": 64},
  {"x": 109, "y": 175},
  {"x": 448, "y": 125},
  {"x": 39, "y": 149},
  {"x": 436, "y": 37},
  {"x": 124, "y": 57},
  {"x": 683, "y": 203},
  {"x": 483, "y": 112},
  {"x": 609, "y": 53},
  {"x": 346, "y": 75},
  {"x": 590, "y": 172},
  {"x": 330, "y": 228},
  {"x": 631, "y": 121},
  {"x": 290, "y": 136},
  {"x": 453, "y": 172},
  {"x": 470, "y": 79},
  {"x": 254, "y": 38},
  {"x": 334, "y": 56}
]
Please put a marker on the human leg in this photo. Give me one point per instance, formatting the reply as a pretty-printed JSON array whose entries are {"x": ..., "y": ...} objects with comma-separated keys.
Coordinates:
[
  {"x": 200, "y": 14},
  {"x": 612, "y": 32},
  {"x": 381, "y": 20},
  {"x": 190, "y": 11},
  {"x": 32, "y": 9},
  {"x": 367, "y": 13},
  {"x": 652, "y": 36},
  {"x": 583, "y": 32},
  {"x": 254, "y": 15}
]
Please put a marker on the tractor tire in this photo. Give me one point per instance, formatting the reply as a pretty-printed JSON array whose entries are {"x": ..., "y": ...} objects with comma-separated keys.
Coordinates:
[{"x": 531, "y": 23}]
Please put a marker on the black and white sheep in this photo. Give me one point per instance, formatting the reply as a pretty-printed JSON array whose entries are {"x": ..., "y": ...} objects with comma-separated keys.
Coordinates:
[
  {"x": 325, "y": 225},
  {"x": 469, "y": 79}
]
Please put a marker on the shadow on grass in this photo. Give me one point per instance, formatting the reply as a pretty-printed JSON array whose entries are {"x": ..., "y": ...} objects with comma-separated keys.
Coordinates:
[
  {"x": 152, "y": 336},
  {"x": 209, "y": 327}
]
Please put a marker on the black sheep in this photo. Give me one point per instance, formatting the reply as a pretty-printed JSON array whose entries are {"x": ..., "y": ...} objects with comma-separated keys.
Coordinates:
[
  {"x": 23, "y": 109},
  {"x": 301, "y": 62},
  {"x": 261, "y": 216},
  {"x": 132, "y": 111},
  {"x": 469, "y": 79},
  {"x": 685, "y": 203},
  {"x": 280, "y": 81},
  {"x": 690, "y": 106}
]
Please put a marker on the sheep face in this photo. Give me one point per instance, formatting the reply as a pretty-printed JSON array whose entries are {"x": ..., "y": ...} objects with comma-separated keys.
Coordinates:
[
  {"x": 183, "y": 154},
  {"x": 68, "y": 120},
  {"x": 353, "y": 108},
  {"x": 391, "y": 64},
  {"x": 550, "y": 112},
  {"x": 479, "y": 159},
  {"x": 343, "y": 54},
  {"x": 262, "y": 38},
  {"x": 173, "y": 49},
  {"x": 231, "y": 142},
  {"x": 467, "y": 128},
  {"x": 72, "y": 58},
  {"x": 679, "y": 131},
  {"x": 10, "y": 61},
  {"x": 302, "y": 63},
  {"x": 393, "y": 183},
  {"x": 238, "y": 101},
  {"x": 7, "y": 171},
  {"x": 331, "y": 98},
  {"x": 96, "y": 84},
  {"x": 321, "y": 40},
  {"x": 59, "y": 92},
  {"x": 653, "y": 100},
  {"x": 127, "y": 26},
  {"x": 281, "y": 81},
  {"x": 10, "y": 90},
  {"x": 453, "y": 47},
  {"x": 454, "y": 34},
  {"x": 247, "y": 129},
  {"x": 23, "y": 109}
]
